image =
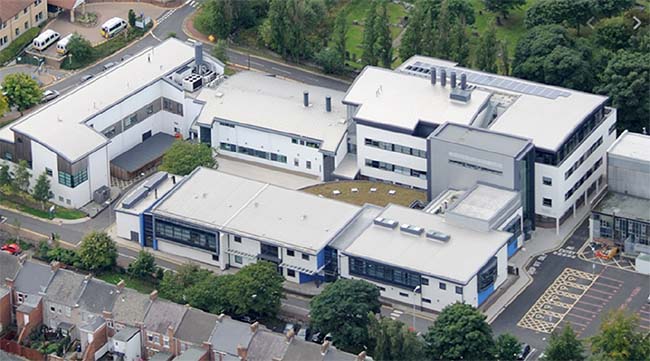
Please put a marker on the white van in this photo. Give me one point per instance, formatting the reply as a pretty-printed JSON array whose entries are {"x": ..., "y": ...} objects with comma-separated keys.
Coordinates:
[
  {"x": 62, "y": 45},
  {"x": 112, "y": 27},
  {"x": 47, "y": 38}
]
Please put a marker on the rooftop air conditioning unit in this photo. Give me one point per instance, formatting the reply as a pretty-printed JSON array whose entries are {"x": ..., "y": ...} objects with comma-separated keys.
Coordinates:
[{"x": 192, "y": 82}]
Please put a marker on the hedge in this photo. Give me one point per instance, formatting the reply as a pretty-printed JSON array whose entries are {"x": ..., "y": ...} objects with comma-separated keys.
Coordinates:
[
  {"x": 17, "y": 45},
  {"x": 104, "y": 49}
]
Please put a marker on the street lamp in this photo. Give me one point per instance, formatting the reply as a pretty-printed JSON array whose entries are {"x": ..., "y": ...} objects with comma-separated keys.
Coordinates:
[
  {"x": 108, "y": 209},
  {"x": 416, "y": 290}
]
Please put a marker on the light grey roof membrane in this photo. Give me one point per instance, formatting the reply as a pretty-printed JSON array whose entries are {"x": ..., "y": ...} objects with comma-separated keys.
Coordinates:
[{"x": 482, "y": 139}]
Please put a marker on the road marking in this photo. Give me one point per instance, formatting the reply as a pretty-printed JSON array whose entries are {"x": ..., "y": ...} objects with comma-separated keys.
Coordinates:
[
  {"x": 187, "y": 2},
  {"x": 576, "y": 323},
  {"x": 613, "y": 279},
  {"x": 399, "y": 312},
  {"x": 281, "y": 71},
  {"x": 603, "y": 292},
  {"x": 592, "y": 304},
  {"x": 593, "y": 315},
  {"x": 596, "y": 298},
  {"x": 610, "y": 286}
]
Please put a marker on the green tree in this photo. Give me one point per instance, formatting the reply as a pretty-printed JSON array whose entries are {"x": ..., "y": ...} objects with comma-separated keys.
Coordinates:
[
  {"x": 614, "y": 33},
  {"x": 573, "y": 12},
  {"x": 97, "y": 251},
  {"x": 178, "y": 286},
  {"x": 22, "y": 176},
  {"x": 132, "y": 18},
  {"x": 278, "y": 26},
  {"x": 442, "y": 43},
  {"x": 340, "y": 36},
  {"x": 504, "y": 58},
  {"x": 143, "y": 267},
  {"x": 460, "y": 332},
  {"x": 609, "y": 8},
  {"x": 215, "y": 18},
  {"x": 42, "y": 191},
  {"x": 210, "y": 293},
  {"x": 625, "y": 81},
  {"x": 342, "y": 308},
  {"x": 369, "y": 56},
  {"x": 183, "y": 157},
  {"x": 459, "y": 44},
  {"x": 618, "y": 338},
  {"x": 412, "y": 39},
  {"x": 502, "y": 7},
  {"x": 22, "y": 91},
  {"x": 384, "y": 42},
  {"x": 393, "y": 340},
  {"x": 506, "y": 347},
  {"x": 256, "y": 291},
  {"x": 5, "y": 176},
  {"x": 80, "y": 49},
  {"x": 330, "y": 60},
  {"x": 4, "y": 105},
  {"x": 568, "y": 68},
  {"x": 564, "y": 346},
  {"x": 220, "y": 50},
  {"x": 486, "y": 52}
]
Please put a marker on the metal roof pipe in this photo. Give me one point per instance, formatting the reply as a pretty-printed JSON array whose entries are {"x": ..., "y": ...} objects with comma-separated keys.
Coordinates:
[
  {"x": 453, "y": 79},
  {"x": 463, "y": 81},
  {"x": 433, "y": 76},
  {"x": 328, "y": 103},
  {"x": 305, "y": 99},
  {"x": 443, "y": 77}
]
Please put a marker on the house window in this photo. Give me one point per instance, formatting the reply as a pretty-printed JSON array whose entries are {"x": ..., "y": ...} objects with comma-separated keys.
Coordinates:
[
  {"x": 156, "y": 339},
  {"x": 403, "y": 294},
  {"x": 442, "y": 286},
  {"x": 425, "y": 281},
  {"x": 26, "y": 24},
  {"x": 238, "y": 260},
  {"x": 48, "y": 171},
  {"x": 459, "y": 290},
  {"x": 17, "y": 31},
  {"x": 291, "y": 273},
  {"x": 237, "y": 239},
  {"x": 294, "y": 140},
  {"x": 305, "y": 257},
  {"x": 547, "y": 202},
  {"x": 149, "y": 337},
  {"x": 296, "y": 162},
  {"x": 150, "y": 109},
  {"x": 290, "y": 253},
  {"x": 110, "y": 323},
  {"x": 426, "y": 300},
  {"x": 68, "y": 311},
  {"x": 308, "y": 164},
  {"x": 165, "y": 341},
  {"x": 547, "y": 181}
]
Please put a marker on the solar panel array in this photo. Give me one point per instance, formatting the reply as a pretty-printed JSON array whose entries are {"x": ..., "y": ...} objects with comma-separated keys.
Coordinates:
[{"x": 423, "y": 69}]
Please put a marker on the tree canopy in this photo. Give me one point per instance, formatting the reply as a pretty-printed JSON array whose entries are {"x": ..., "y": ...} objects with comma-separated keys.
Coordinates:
[
  {"x": 4, "y": 105},
  {"x": 21, "y": 91},
  {"x": 21, "y": 176},
  {"x": 342, "y": 309},
  {"x": 459, "y": 333},
  {"x": 144, "y": 266},
  {"x": 502, "y": 7},
  {"x": 564, "y": 346},
  {"x": 393, "y": 340},
  {"x": 223, "y": 17},
  {"x": 42, "y": 190},
  {"x": 97, "y": 251},
  {"x": 80, "y": 49},
  {"x": 619, "y": 339},
  {"x": 486, "y": 53},
  {"x": 506, "y": 347},
  {"x": 183, "y": 157}
]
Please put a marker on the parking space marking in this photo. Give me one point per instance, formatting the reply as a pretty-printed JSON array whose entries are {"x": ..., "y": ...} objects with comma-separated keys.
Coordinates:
[
  {"x": 592, "y": 304},
  {"x": 611, "y": 279},
  {"x": 606, "y": 285},
  {"x": 597, "y": 298},
  {"x": 576, "y": 323},
  {"x": 603, "y": 292},
  {"x": 557, "y": 301}
]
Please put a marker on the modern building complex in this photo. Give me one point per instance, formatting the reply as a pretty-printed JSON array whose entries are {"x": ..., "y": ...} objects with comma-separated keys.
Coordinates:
[
  {"x": 230, "y": 221},
  {"x": 275, "y": 122},
  {"x": 393, "y": 113},
  {"x": 83, "y": 138},
  {"x": 18, "y": 16},
  {"x": 622, "y": 216}
]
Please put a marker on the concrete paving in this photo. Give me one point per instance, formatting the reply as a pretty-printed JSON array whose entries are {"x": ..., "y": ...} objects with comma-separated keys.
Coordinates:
[
  {"x": 45, "y": 76},
  {"x": 260, "y": 173}
]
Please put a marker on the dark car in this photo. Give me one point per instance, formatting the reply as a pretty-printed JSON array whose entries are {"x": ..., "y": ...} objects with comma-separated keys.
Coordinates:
[{"x": 525, "y": 351}]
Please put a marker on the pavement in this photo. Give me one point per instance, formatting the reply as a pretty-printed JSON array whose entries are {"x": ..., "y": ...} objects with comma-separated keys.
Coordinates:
[{"x": 45, "y": 76}]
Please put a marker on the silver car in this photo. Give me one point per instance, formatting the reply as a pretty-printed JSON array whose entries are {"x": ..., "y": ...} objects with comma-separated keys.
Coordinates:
[{"x": 49, "y": 95}]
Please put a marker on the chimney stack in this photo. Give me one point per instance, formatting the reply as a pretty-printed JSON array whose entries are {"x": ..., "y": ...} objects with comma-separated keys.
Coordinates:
[
  {"x": 361, "y": 356},
  {"x": 433, "y": 75},
  {"x": 153, "y": 295},
  {"x": 289, "y": 336},
  {"x": 255, "y": 326},
  {"x": 453, "y": 79},
  {"x": 242, "y": 352},
  {"x": 107, "y": 315},
  {"x": 328, "y": 103},
  {"x": 55, "y": 265},
  {"x": 198, "y": 56},
  {"x": 120, "y": 286},
  {"x": 324, "y": 347},
  {"x": 463, "y": 81},
  {"x": 305, "y": 99},
  {"x": 220, "y": 317},
  {"x": 443, "y": 77}
]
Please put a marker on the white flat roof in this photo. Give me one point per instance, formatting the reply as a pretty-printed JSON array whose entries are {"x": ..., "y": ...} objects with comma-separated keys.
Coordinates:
[
  {"x": 213, "y": 199},
  {"x": 258, "y": 100},
  {"x": 547, "y": 120},
  {"x": 61, "y": 126},
  {"x": 458, "y": 259},
  {"x": 632, "y": 145},
  {"x": 400, "y": 100},
  {"x": 152, "y": 196},
  {"x": 483, "y": 202}
]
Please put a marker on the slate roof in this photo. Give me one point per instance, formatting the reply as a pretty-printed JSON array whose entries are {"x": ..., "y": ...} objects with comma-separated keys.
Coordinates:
[
  {"x": 125, "y": 334},
  {"x": 130, "y": 307},
  {"x": 228, "y": 334},
  {"x": 191, "y": 354},
  {"x": 98, "y": 296},
  {"x": 196, "y": 326},
  {"x": 267, "y": 346},
  {"x": 33, "y": 277},
  {"x": 299, "y": 350},
  {"x": 163, "y": 314},
  {"x": 9, "y": 266},
  {"x": 66, "y": 287}
]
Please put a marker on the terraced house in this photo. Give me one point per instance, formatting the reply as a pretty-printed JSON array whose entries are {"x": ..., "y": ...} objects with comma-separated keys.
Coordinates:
[{"x": 18, "y": 16}]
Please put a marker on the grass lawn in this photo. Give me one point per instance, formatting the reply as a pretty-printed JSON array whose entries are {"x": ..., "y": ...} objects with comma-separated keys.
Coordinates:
[
  {"x": 60, "y": 212},
  {"x": 135, "y": 283},
  {"x": 510, "y": 30},
  {"x": 357, "y": 12},
  {"x": 403, "y": 196}
]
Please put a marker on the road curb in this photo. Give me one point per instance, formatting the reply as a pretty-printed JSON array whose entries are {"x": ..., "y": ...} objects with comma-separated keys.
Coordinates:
[{"x": 54, "y": 221}]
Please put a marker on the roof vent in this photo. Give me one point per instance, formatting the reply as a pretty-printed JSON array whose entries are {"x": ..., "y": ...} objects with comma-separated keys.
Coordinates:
[
  {"x": 388, "y": 223},
  {"x": 439, "y": 236},
  {"x": 415, "y": 230},
  {"x": 453, "y": 79},
  {"x": 305, "y": 99},
  {"x": 443, "y": 77},
  {"x": 433, "y": 76}
]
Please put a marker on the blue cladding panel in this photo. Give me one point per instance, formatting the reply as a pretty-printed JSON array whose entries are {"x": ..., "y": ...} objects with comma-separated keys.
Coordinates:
[
  {"x": 304, "y": 278},
  {"x": 513, "y": 246},
  {"x": 320, "y": 259},
  {"x": 141, "y": 218},
  {"x": 482, "y": 296}
]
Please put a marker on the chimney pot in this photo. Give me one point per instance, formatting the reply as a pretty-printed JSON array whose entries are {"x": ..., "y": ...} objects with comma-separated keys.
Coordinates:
[
  {"x": 290, "y": 334},
  {"x": 453, "y": 79},
  {"x": 443, "y": 77},
  {"x": 433, "y": 75},
  {"x": 120, "y": 286},
  {"x": 255, "y": 326},
  {"x": 242, "y": 352},
  {"x": 305, "y": 99},
  {"x": 463, "y": 81},
  {"x": 220, "y": 317},
  {"x": 153, "y": 295},
  {"x": 328, "y": 103},
  {"x": 361, "y": 356},
  {"x": 324, "y": 347}
]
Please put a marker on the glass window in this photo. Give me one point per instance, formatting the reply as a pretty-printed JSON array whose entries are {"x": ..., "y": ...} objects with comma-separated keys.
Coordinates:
[
  {"x": 290, "y": 253},
  {"x": 238, "y": 260},
  {"x": 305, "y": 257},
  {"x": 291, "y": 273},
  {"x": 547, "y": 202},
  {"x": 73, "y": 180},
  {"x": 237, "y": 239},
  {"x": 426, "y": 300},
  {"x": 424, "y": 281},
  {"x": 459, "y": 290},
  {"x": 308, "y": 164},
  {"x": 48, "y": 171},
  {"x": 547, "y": 181},
  {"x": 442, "y": 286}
]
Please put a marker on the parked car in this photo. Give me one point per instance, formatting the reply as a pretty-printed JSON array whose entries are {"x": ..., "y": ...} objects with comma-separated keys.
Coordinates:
[
  {"x": 11, "y": 248},
  {"x": 49, "y": 95},
  {"x": 86, "y": 77},
  {"x": 109, "y": 65},
  {"x": 525, "y": 351},
  {"x": 317, "y": 337}
]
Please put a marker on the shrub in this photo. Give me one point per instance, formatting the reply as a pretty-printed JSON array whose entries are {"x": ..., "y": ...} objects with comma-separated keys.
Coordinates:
[{"x": 17, "y": 45}]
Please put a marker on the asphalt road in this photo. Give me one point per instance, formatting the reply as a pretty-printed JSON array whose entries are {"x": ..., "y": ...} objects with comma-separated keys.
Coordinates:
[{"x": 174, "y": 24}]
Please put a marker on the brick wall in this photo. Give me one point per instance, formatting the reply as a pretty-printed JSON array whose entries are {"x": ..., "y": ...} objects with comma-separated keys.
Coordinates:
[
  {"x": 35, "y": 320},
  {"x": 5, "y": 311}
]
